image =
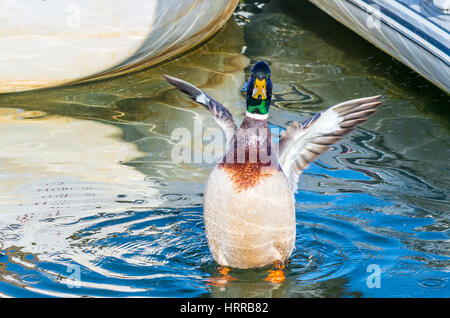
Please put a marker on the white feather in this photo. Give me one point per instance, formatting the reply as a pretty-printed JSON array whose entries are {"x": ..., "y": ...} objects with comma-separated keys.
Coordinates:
[
  {"x": 202, "y": 99},
  {"x": 328, "y": 122}
]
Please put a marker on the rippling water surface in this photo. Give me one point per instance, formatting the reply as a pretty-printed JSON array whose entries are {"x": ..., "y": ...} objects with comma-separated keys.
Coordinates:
[{"x": 91, "y": 203}]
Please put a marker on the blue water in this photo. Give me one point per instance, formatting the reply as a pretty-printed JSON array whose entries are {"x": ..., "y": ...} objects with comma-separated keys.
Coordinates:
[{"x": 92, "y": 205}]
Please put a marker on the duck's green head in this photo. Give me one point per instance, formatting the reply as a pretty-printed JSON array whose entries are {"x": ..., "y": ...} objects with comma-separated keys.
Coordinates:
[{"x": 259, "y": 89}]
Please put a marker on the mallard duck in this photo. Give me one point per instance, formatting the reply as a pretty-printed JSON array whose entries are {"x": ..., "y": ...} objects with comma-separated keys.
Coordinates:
[{"x": 249, "y": 205}]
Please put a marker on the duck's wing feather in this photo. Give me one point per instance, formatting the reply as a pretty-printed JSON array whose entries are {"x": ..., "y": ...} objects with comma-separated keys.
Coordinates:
[
  {"x": 221, "y": 115},
  {"x": 300, "y": 144}
]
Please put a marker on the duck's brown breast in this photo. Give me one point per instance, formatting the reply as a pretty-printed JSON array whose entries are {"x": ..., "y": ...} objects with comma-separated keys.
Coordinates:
[
  {"x": 251, "y": 158},
  {"x": 247, "y": 175}
]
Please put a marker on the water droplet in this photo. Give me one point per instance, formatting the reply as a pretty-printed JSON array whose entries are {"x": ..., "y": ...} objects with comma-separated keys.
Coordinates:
[
  {"x": 405, "y": 271},
  {"x": 30, "y": 279},
  {"x": 11, "y": 237},
  {"x": 172, "y": 197},
  {"x": 432, "y": 283},
  {"x": 14, "y": 226},
  {"x": 156, "y": 181}
]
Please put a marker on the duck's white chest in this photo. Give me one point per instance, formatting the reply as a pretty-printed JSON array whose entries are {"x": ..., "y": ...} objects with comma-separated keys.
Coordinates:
[{"x": 249, "y": 217}]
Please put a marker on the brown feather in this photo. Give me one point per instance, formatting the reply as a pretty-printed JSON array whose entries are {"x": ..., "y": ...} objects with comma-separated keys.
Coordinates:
[{"x": 352, "y": 123}]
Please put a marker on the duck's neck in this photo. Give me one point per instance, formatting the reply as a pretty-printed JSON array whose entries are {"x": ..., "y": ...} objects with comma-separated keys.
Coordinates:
[
  {"x": 252, "y": 144},
  {"x": 254, "y": 122},
  {"x": 257, "y": 116}
]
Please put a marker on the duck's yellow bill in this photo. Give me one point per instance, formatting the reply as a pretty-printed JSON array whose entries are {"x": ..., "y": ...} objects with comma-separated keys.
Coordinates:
[{"x": 259, "y": 89}]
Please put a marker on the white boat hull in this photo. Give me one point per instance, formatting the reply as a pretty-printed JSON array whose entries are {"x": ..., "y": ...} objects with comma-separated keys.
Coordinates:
[
  {"x": 407, "y": 30},
  {"x": 50, "y": 43}
]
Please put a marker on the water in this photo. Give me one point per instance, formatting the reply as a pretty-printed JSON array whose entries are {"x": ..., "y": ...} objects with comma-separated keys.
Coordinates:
[{"x": 92, "y": 205}]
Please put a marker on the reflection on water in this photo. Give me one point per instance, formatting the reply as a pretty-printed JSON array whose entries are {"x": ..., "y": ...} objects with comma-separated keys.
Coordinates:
[{"x": 91, "y": 203}]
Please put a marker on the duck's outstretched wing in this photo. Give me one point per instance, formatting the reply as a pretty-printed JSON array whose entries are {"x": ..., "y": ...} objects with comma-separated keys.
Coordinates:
[
  {"x": 221, "y": 115},
  {"x": 300, "y": 144}
]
